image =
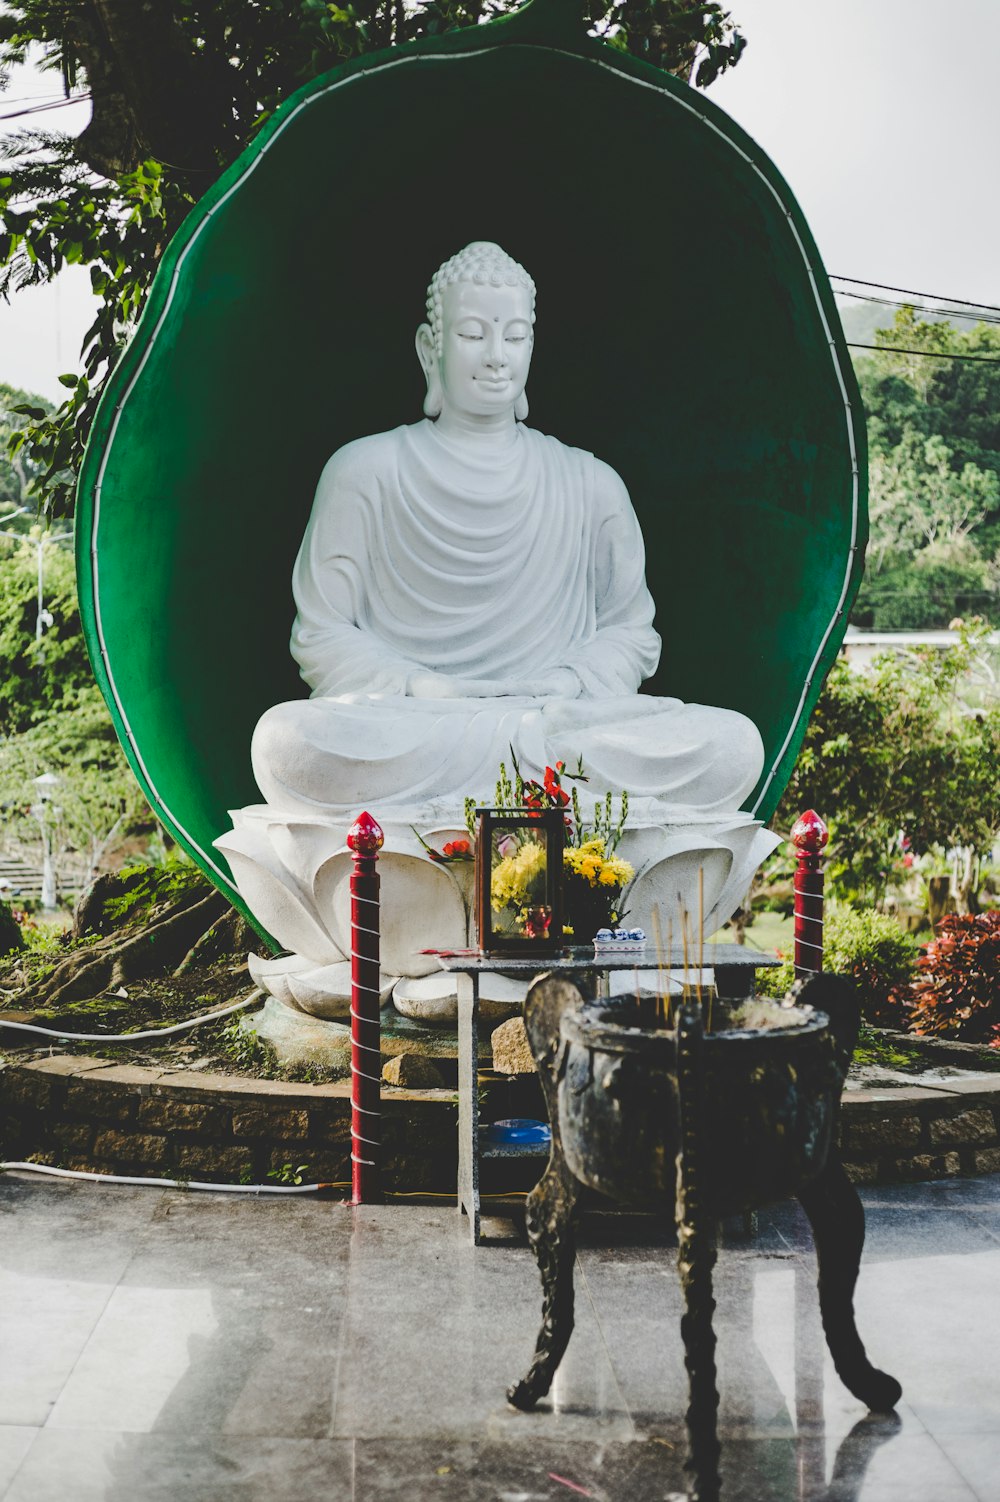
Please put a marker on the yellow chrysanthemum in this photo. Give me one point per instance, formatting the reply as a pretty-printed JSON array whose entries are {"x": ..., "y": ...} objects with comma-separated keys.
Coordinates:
[
  {"x": 589, "y": 862},
  {"x": 515, "y": 876}
]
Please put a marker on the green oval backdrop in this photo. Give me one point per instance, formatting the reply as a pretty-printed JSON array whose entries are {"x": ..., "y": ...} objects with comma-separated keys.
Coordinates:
[{"x": 686, "y": 334}]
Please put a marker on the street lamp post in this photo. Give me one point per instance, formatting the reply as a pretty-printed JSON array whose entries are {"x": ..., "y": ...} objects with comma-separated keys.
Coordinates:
[
  {"x": 44, "y": 811},
  {"x": 43, "y": 617}
]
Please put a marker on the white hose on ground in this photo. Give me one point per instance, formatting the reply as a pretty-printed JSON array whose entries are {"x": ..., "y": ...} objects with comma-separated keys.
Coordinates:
[
  {"x": 155, "y": 1032},
  {"x": 118, "y": 1178}
]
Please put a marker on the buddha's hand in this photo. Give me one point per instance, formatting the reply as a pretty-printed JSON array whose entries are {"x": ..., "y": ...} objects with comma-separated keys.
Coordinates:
[
  {"x": 554, "y": 683},
  {"x": 558, "y": 683},
  {"x": 424, "y": 684}
]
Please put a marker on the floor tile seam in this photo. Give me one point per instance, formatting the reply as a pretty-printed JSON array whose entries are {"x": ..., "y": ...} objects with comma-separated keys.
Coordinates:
[
  {"x": 948, "y": 1460},
  {"x": 578, "y": 1267},
  {"x": 103, "y": 1312}
]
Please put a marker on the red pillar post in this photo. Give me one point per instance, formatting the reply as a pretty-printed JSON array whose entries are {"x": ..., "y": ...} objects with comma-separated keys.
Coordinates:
[
  {"x": 365, "y": 842},
  {"x": 809, "y": 836}
]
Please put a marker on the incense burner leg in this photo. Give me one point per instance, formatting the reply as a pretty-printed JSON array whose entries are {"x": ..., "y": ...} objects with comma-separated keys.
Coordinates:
[
  {"x": 696, "y": 1253},
  {"x": 551, "y": 1204},
  {"x": 837, "y": 1218},
  {"x": 549, "y": 1219}
]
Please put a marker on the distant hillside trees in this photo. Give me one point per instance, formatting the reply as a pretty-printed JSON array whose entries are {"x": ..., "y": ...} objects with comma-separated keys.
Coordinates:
[{"x": 934, "y": 465}]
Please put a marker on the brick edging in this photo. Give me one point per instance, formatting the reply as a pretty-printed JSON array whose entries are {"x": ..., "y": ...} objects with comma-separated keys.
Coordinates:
[{"x": 77, "y": 1111}]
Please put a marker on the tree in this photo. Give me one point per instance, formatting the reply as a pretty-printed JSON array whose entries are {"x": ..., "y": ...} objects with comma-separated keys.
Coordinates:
[
  {"x": 16, "y": 469},
  {"x": 920, "y": 497},
  {"x": 958, "y": 398},
  {"x": 96, "y": 800},
  {"x": 926, "y": 590},
  {"x": 178, "y": 91},
  {"x": 934, "y": 442},
  {"x": 896, "y": 754},
  {"x": 52, "y": 717},
  {"x": 42, "y": 674}
]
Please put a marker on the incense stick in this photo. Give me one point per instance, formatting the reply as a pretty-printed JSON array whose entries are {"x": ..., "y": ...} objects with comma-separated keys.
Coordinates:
[
  {"x": 701, "y": 942},
  {"x": 658, "y": 936}
]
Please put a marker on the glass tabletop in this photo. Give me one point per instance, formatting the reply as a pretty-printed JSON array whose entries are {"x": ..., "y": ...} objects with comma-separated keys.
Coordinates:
[{"x": 584, "y": 957}]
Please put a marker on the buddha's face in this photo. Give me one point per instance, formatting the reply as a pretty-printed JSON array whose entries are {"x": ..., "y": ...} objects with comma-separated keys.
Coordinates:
[{"x": 486, "y": 347}]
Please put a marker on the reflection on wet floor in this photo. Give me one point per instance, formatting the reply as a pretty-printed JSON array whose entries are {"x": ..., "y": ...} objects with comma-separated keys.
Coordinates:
[{"x": 156, "y": 1345}]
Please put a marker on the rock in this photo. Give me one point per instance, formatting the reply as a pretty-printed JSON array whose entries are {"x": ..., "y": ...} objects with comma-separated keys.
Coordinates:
[
  {"x": 511, "y": 1050},
  {"x": 410, "y": 1069},
  {"x": 297, "y": 1038}
]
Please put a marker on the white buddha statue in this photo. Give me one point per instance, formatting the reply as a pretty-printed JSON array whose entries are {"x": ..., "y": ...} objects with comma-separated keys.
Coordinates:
[{"x": 467, "y": 585}]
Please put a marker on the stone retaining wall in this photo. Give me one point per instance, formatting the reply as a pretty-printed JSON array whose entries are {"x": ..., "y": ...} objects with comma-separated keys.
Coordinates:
[
  {"x": 81, "y": 1112},
  {"x": 922, "y": 1131},
  {"x": 76, "y": 1111}
]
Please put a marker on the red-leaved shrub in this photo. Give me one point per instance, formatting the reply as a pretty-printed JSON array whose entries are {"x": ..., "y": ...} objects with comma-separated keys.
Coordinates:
[{"x": 957, "y": 989}]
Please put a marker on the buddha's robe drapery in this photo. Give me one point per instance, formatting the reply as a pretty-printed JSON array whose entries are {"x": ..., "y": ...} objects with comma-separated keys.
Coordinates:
[{"x": 483, "y": 564}]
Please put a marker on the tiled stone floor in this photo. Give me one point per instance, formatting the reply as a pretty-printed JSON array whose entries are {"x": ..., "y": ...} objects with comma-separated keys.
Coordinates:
[{"x": 159, "y": 1345}]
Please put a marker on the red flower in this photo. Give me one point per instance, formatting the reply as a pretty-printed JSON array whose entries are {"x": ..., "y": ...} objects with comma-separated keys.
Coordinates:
[{"x": 456, "y": 847}]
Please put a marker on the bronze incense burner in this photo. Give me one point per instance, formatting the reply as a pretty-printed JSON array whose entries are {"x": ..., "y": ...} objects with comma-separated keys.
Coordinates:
[{"x": 723, "y": 1122}]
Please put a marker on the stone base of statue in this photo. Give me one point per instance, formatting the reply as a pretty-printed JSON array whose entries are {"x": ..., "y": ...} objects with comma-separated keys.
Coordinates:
[{"x": 294, "y": 872}]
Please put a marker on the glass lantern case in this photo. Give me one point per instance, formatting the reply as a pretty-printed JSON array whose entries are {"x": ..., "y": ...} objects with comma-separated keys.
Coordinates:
[{"x": 519, "y": 872}]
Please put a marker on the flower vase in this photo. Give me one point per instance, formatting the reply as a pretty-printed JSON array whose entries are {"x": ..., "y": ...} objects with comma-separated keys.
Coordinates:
[{"x": 589, "y": 908}]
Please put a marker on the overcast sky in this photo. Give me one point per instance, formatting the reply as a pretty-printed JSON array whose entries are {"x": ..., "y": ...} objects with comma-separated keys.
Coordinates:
[{"x": 883, "y": 116}]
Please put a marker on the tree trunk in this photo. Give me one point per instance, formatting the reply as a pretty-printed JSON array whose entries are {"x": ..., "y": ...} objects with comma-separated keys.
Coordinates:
[
  {"x": 153, "y": 96},
  {"x": 965, "y": 882},
  {"x": 938, "y": 899}
]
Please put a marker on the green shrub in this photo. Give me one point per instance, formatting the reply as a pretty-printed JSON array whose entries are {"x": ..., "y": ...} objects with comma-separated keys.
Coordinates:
[
  {"x": 871, "y": 949},
  {"x": 776, "y": 982},
  {"x": 867, "y": 947}
]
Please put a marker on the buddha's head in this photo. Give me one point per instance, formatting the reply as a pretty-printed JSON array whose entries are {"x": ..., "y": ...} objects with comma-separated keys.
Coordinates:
[{"x": 476, "y": 348}]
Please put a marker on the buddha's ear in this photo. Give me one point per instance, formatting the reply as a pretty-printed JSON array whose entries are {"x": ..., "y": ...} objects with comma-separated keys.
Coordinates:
[
  {"x": 428, "y": 356},
  {"x": 521, "y": 407}
]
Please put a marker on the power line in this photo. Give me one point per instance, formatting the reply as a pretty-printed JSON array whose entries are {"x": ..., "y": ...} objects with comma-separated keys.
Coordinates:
[
  {"x": 37, "y": 109},
  {"x": 892, "y": 302},
  {"x": 926, "y": 354},
  {"x": 31, "y": 98},
  {"x": 909, "y": 292}
]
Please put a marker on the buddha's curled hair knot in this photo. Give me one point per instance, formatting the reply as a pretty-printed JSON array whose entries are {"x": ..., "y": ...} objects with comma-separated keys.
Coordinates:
[{"x": 481, "y": 262}]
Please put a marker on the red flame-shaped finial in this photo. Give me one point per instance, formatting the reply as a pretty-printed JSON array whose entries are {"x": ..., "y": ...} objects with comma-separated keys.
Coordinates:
[
  {"x": 365, "y": 836},
  {"x": 809, "y": 833}
]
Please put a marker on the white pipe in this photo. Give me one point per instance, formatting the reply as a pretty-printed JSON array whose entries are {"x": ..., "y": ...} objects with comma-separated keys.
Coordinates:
[
  {"x": 155, "y": 1032},
  {"x": 117, "y": 1178}
]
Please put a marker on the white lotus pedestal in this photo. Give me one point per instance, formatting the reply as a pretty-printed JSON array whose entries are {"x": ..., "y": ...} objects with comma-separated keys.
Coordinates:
[{"x": 294, "y": 872}]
